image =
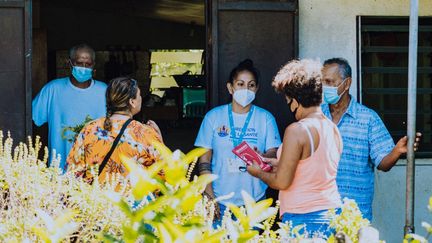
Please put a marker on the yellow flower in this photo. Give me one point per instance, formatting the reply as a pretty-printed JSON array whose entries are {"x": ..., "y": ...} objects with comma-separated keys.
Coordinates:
[
  {"x": 176, "y": 163},
  {"x": 143, "y": 181},
  {"x": 56, "y": 229},
  {"x": 430, "y": 204},
  {"x": 415, "y": 238},
  {"x": 255, "y": 211}
]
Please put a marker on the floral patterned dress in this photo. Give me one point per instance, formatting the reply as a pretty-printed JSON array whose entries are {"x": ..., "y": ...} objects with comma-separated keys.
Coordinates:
[{"x": 94, "y": 142}]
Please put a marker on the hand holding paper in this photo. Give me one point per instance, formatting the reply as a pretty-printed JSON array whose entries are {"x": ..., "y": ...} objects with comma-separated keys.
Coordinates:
[{"x": 248, "y": 155}]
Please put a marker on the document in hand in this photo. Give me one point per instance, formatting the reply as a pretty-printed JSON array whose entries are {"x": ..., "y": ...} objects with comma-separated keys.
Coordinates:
[{"x": 248, "y": 155}]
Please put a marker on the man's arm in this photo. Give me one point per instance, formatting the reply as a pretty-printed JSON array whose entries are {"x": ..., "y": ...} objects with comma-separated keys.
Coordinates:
[
  {"x": 401, "y": 148},
  {"x": 383, "y": 152},
  {"x": 40, "y": 106},
  {"x": 389, "y": 161}
]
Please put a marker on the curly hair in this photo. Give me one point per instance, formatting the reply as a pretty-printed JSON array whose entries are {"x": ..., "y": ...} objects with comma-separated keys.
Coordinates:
[{"x": 300, "y": 80}]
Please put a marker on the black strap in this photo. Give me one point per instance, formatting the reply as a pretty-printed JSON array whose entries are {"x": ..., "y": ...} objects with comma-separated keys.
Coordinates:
[{"x": 116, "y": 141}]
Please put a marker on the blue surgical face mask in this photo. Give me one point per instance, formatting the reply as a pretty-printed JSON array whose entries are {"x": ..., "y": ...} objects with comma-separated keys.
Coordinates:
[
  {"x": 331, "y": 95},
  {"x": 82, "y": 74},
  {"x": 244, "y": 97}
]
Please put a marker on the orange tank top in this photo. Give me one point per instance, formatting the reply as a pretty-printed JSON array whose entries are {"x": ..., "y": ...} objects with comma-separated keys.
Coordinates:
[{"x": 314, "y": 185}]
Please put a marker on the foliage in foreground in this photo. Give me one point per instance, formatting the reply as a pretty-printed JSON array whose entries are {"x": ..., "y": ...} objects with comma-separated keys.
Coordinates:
[
  {"x": 38, "y": 203},
  {"x": 415, "y": 238},
  {"x": 41, "y": 204}
]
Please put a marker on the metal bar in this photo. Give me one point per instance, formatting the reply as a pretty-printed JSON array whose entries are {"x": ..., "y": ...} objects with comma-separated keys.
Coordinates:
[
  {"x": 411, "y": 116},
  {"x": 359, "y": 61},
  {"x": 28, "y": 35},
  {"x": 423, "y": 155},
  {"x": 393, "y": 28},
  {"x": 208, "y": 51},
  {"x": 393, "y": 91},
  {"x": 402, "y": 70},
  {"x": 394, "y": 49},
  {"x": 401, "y": 112},
  {"x": 12, "y": 4},
  {"x": 214, "y": 98},
  {"x": 296, "y": 31},
  {"x": 258, "y": 6},
  {"x": 403, "y": 133}
]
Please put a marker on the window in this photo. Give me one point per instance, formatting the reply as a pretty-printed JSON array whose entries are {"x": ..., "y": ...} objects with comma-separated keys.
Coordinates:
[
  {"x": 165, "y": 63},
  {"x": 183, "y": 69},
  {"x": 383, "y": 69}
]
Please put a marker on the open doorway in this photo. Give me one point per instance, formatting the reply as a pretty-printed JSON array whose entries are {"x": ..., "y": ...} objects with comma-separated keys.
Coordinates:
[{"x": 160, "y": 43}]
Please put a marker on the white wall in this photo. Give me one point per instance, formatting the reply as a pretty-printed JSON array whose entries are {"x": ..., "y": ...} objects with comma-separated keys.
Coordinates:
[
  {"x": 389, "y": 200},
  {"x": 327, "y": 28}
]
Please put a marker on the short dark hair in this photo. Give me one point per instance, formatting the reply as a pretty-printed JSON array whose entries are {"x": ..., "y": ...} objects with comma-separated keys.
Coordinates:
[
  {"x": 245, "y": 65},
  {"x": 344, "y": 67},
  {"x": 73, "y": 51}
]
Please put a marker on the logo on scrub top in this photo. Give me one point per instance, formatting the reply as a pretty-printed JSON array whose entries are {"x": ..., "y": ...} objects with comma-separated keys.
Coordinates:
[{"x": 223, "y": 131}]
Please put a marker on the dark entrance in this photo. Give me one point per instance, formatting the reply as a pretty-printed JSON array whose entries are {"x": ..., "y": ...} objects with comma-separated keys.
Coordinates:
[
  {"x": 126, "y": 35},
  {"x": 266, "y": 32}
]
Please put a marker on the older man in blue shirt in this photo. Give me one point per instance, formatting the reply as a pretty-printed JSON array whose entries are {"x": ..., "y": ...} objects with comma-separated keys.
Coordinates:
[
  {"x": 65, "y": 102},
  {"x": 367, "y": 142}
]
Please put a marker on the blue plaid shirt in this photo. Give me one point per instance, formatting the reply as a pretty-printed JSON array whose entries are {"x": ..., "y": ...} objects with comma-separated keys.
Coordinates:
[{"x": 366, "y": 141}]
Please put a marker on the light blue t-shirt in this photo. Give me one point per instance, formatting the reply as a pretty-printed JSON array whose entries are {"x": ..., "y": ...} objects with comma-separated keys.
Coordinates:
[
  {"x": 61, "y": 104},
  {"x": 215, "y": 134}
]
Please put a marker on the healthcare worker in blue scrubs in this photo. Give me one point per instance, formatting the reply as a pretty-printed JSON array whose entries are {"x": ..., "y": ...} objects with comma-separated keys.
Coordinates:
[
  {"x": 226, "y": 126},
  {"x": 66, "y": 102}
]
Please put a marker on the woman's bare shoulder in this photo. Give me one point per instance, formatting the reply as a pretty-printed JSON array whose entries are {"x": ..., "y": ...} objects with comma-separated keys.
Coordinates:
[{"x": 294, "y": 128}]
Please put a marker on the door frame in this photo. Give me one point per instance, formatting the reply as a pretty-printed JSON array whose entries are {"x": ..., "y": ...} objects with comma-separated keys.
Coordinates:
[
  {"x": 212, "y": 9},
  {"x": 26, "y": 6}
]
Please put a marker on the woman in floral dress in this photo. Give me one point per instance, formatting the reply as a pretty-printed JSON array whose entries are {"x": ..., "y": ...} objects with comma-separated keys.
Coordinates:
[{"x": 96, "y": 139}]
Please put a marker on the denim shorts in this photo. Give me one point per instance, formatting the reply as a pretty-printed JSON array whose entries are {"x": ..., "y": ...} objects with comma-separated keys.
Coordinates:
[{"x": 316, "y": 223}]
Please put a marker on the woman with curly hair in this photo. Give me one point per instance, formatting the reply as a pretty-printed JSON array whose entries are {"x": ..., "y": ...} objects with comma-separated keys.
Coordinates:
[
  {"x": 101, "y": 141},
  {"x": 305, "y": 171}
]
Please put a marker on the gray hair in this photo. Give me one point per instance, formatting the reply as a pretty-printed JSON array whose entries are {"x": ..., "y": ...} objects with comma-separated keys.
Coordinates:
[
  {"x": 344, "y": 67},
  {"x": 81, "y": 47}
]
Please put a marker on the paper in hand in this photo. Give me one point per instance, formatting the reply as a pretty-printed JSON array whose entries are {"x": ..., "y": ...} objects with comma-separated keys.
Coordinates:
[{"x": 248, "y": 155}]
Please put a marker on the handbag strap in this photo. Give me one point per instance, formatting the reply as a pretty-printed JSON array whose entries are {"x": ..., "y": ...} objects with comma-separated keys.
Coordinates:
[{"x": 114, "y": 145}]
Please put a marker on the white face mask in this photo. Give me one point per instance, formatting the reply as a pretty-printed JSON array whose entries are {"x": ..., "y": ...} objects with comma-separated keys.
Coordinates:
[{"x": 244, "y": 97}]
